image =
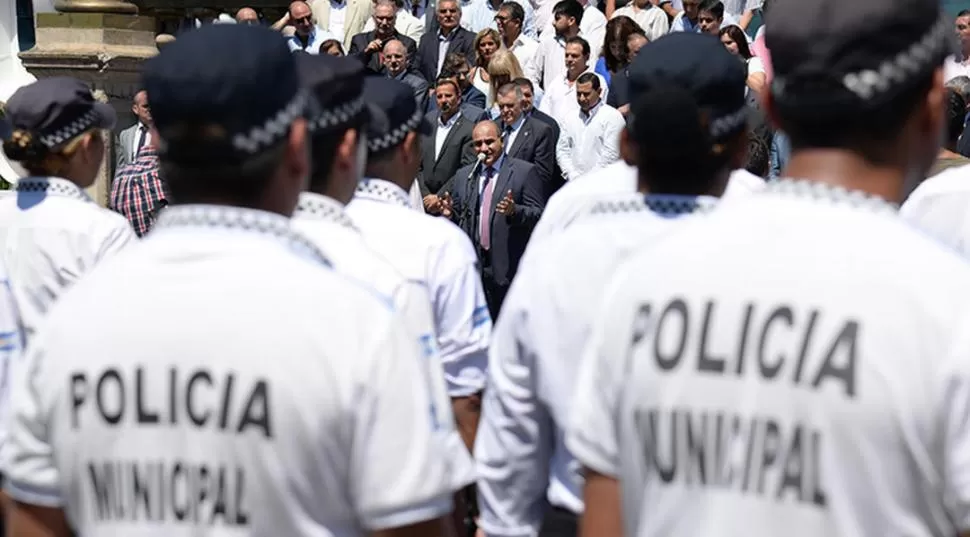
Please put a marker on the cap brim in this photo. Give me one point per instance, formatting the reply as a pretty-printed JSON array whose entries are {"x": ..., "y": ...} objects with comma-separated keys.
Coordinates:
[{"x": 106, "y": 116}]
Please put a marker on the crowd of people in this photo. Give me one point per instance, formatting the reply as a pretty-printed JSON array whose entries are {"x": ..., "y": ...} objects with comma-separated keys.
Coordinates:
[{"x": 414, "y": 292}]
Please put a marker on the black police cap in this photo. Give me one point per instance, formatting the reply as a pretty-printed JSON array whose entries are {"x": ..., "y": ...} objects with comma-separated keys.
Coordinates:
[
  {"x": 701, "y": 65},
  {"x": 834, "y": 57},
  {"x": 56, "y": 110},
  {"x": 335, "y": 86},
  {"x": 222, "y": 93},
  {"x": 395, "y": 112}
]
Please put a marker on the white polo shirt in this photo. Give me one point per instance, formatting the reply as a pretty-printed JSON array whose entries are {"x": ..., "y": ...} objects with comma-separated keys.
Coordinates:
[
  {"x": 437, "y": 253},
  {"x": 51, "y": 234},
  {"x": 324, "y": 221},
  {"x": 777, "y": 368},
  {"x": 535, "y": 353},
  {"x": 219, "y": 378}
]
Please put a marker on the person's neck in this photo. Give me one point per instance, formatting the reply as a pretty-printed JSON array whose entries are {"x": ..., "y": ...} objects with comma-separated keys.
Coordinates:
[
  {"x": 965, "y": 53},
  {"x": 391, "y": 173},
  {"x": 447, "y": 115},
  {"x": 395, "y": 74},
  {"x": 846, "y": 169},
  {"x": 304, "y": 38},
  {"x": 333, "y": 191},
  {"x": 715, "y": 188},
  {"x": 949, "y": 153},
  {"x": 509, "y": 39},
  {"x": 572, "y": 31},
  {"x": 572, "y": 75},
  {"x": 446, "y": 32}
]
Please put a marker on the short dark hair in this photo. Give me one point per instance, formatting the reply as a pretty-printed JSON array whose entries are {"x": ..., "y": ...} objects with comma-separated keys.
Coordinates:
[
  {"x": 589, "y": 78},
  {"x": 515, "y": 10},
  {"x": 576, "y": 40},
  {"x": 956, "y": 114},
  {"x": 964, "y": 13},
  {"x": 447, "y": 79},
  {"x": 243, "y": 183},
  {"x": 715, "y": 7},
  {"x": 568, "y": 8},
  {"x": 323, "y": 147},
  {"x": 523, "y": 82},
  {"x": 453, "y": 61}
]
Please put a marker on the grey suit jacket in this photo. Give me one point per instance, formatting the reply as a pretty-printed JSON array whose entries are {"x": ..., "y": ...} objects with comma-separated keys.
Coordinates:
[
  {"x": 536, "y": 143},
  {"x": 124, "y": 143},
  {"x": 435, "y": 174}
]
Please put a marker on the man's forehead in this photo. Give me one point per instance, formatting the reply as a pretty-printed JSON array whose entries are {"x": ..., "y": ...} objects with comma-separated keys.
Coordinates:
[
  {"x": 299, "y": 8},
  {"x": 385, "y": 10}
]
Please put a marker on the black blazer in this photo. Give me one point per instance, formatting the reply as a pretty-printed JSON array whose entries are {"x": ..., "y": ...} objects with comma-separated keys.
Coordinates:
[
  {"x": 536, "y": 143},
  {"x": 358, "y": 44},
  {"x": 509, "y": 234},
  {"x": 435, "y": 175},
  {"x": 427, "y": 62},
  {"x": 547, "y": 119}
]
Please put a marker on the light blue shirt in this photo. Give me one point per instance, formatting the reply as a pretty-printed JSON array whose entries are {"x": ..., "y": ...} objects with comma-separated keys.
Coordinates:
[{"x": 318, "y": 36}]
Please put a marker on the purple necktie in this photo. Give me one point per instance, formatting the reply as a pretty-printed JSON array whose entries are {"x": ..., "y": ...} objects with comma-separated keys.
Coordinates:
[{"x": 484, "y": 233}]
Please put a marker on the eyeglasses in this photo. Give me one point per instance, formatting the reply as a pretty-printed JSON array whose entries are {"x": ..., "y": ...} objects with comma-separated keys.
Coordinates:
[{"x": 303, "y": 20}]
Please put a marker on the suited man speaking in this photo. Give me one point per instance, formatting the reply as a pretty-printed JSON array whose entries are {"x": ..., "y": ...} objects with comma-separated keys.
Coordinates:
[
  {"x": 497, "y": 202},
  {"x": 447, "y": 148},
  {"x": 131, "y": 140}
]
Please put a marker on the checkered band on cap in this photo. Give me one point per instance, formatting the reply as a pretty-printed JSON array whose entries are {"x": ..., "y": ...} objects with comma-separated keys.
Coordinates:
[
  {"x": 868, "y": 84},
  {"x": 338, "y": 116},
  {"x": 70, "y": 131},
  {"x": 396, "y": 135},
  {"x": 247, "y": 220},
  {"x": 275, "y": 128}
]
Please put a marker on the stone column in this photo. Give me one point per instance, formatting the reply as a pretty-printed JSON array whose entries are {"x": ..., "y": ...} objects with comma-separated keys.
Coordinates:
[{"x": 103, "y": 43}]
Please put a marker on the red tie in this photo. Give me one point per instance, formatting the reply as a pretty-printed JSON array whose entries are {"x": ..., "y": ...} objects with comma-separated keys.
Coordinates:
[{"x": 484, "y": 233}]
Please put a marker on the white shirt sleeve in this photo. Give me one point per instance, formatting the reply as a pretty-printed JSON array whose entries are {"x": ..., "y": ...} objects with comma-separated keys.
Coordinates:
[
  {"x": 610, "y": 152},
  {"x": 514, "y": 443},
  {"x": 564, "y": 153},
  {"x": 592, "y": 433},
  {"x": 954, "y": 413},
  {"x": 464, "y": 324},
  {"x": 11, "y": 347},
  {"x": 755, "y": 65},
  {"x": 115, "y": 234},
  {"x": 27, "y": 457},
  {"x": 399, "y": 475}
]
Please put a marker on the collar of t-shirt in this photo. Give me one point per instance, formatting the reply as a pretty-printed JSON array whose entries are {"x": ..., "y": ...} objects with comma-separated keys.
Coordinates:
[
  {"x": 320, "y": 207},
  {"x": 382, "y": 191}
]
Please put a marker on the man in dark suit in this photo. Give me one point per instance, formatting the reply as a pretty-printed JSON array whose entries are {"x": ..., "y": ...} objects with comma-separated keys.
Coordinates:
[
  {"x": 459, "y": 40},
  {"x": 527, "y": 138},
  {"x": 528, "y": 105},
  {"x": 448, "y": 148},
  {"x": 472, "y": 100},
  {"x": 367, "y": 46},
  {"x": 497, "y": 202}
]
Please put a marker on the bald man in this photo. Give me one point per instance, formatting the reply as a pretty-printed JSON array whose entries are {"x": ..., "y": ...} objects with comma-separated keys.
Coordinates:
[
  {"x": 247, "y": 15},
  {"x": 394, "y": 58},
  {"x": 307, "y": 36},
  {"x": 497, "y": 201}
]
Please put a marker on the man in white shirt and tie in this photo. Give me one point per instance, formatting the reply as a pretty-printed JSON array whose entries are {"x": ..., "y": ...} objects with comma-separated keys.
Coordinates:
[
  {"x": 130, "y": 141},
  {"x": 590, "y": 140}
]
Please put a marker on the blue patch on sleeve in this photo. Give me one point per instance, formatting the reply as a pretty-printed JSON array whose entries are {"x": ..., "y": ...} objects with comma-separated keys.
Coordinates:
[{"x": 480, "y": 316}]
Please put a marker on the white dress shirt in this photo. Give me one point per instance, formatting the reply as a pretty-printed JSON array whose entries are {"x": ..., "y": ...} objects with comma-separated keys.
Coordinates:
[
  {"x": 318, "y": 36},
  {"x": 592, "y": 28},
  {"x": 338, "y": 14},
  {"x": 142, "y": 128},
  {"x": 576, "y": 198},
  {"x": 834, "y": 406},
  {"x": 52, "y": 233},
  {"x": 324, "y": 221},
  {"x": 11, "y": 347},
  {"x": 525, "y": 48},
  {"x": 405, "y": 24},
  {"x": 549, "y": 63},
  {"x": 559, "y": 101},
  {"x": 441, "y": 132},
  {"x": 535, "y": 354},
  {"x": 653, "y": 19},
  {"x": 940, "y": 206},
  {"x": 221, "y": 368},
  {"x": 437, "y": 253},
  {"x": 589, "y": 141}
]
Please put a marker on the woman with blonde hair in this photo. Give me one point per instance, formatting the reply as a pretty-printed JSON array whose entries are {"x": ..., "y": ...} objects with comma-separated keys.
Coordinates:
[
  {"x": 51, "y": 232},
  {"x": 503, "y": 69},
  {"x": 487, "y": 42}
]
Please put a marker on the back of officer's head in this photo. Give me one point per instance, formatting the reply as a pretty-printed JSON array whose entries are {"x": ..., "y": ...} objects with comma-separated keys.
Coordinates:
[
  {"x": 394, "y": 130},
  {"x": 860, "y": 76},
  {"x": 228, "y": 110},
  {"x": 336, "y": 117},
  {"x": 688, "y": 123}
]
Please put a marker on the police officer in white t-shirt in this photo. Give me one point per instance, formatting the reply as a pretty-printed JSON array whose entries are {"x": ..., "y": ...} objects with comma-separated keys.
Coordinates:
[
  {"x": 796, "y": 363},
  {"x": 545, "y": 322},
  {"x": 51, "y": 232},
  {"x": 337, "y": 122},
  {"x": 220, "y": 378}
]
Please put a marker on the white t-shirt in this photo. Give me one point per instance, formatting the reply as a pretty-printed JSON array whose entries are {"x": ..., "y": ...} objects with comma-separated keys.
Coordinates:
[
  {"x": 778, "y": 368},
  {"x": 535, "y": 354},
  {"x": 324, "y": 221},
  {"x": 11, "y": 348},
  {"x": 218, "y": 378},
  {"x": 51, "y": 234},
  {"x": 438, "y": 254},
  {"x": 940, "y": 206}
]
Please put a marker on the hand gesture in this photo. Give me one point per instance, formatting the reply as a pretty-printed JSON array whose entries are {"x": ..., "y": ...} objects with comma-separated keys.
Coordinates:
[
  {"x": 432, "y": 204},
  {"x": 373, "y": 46},
  {"x": 446, "y": 204},
  {"x": 506, "y": 206}
]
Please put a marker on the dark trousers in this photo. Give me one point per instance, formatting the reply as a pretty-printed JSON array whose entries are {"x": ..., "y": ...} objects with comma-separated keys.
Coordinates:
[
  {"x": 494, "y": 292},
  {"x": 559, "y": 522}
]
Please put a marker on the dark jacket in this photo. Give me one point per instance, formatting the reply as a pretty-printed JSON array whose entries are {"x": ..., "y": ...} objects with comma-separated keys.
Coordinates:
[
  {"x": 358, "y": 44},
  {"x": 435, "y": 175},
  {"x": 427, "y": 62}
]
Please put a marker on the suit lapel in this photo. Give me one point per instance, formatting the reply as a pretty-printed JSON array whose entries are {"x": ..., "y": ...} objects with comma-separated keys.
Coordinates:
[
  {"x": 451, "y": 134},
  {"x": 524, "y": 134}
]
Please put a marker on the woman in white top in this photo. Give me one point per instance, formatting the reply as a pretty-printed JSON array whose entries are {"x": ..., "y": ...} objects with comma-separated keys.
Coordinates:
[
  {"x": 51, "y": 232},
  {"x": 486, "y": 43},
  {"x": 736, "y": 42}
]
